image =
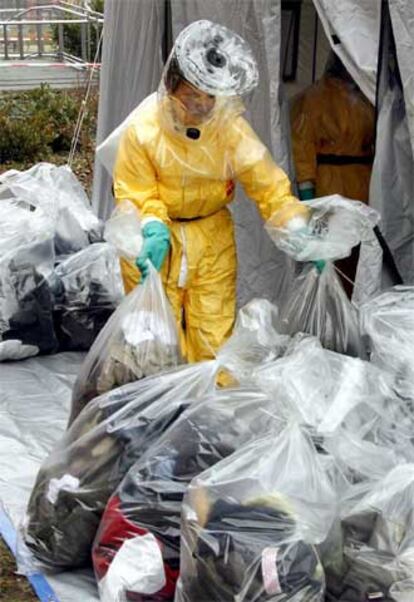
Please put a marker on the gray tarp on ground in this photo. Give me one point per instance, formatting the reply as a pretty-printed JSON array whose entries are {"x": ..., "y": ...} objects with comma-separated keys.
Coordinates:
[
  {"x": 34, "y": 407},
  {"x": 131, "y": 69}
]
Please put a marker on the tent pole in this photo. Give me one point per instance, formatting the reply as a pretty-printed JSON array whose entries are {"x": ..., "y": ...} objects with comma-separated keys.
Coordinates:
[
  {"x": 384, "y": 38},
  {"x": 315, "y": 47}
]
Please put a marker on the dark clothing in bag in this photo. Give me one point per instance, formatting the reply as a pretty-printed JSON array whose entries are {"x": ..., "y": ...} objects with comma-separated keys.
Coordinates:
[{"x": 242, "y": 554}]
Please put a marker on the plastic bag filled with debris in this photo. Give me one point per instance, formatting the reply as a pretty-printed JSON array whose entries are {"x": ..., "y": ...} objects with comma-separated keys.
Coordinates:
[
  {"x": 318, "y": 305},
  {"x": 335, "y": 226},
  {"x": 26, "y": 264},
  {"x": 87, "y": 290},
  {"x": 107, "y": 438},
  {"x": 250, "y": 524},
  {"x": 256, "y": 340},
  {"x": 123, "y": 230},
  {"x": 140, "y": 339},
  {"x": 57, "y": 191},
  {"x": 388, "y": 322},
  {"x": 147, "y": 504},
  {"x": 378, "y": 541}
]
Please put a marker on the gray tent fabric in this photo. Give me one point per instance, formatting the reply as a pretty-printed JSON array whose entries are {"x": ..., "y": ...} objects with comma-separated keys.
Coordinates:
[
  {"x": 392, "y": 182},
  {"x": 356, "y": 25},
  {"x": 353, "y": 30},
  {"x": 131, "y": 69},
  {"x": 402, "y": 17},
  {"x": 263, "y": 270}
]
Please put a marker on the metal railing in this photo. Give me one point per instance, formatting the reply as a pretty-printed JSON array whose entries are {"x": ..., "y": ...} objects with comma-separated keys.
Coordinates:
[{"x": 21, "y": 30}]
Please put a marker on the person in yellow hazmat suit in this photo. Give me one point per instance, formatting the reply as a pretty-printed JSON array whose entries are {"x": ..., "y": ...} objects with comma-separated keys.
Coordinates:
[
  {"x": 178, "y": 161},
  {"x": 333, "y": 130}
]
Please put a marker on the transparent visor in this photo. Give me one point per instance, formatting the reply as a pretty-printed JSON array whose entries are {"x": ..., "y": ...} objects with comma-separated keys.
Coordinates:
[{"x": 185, "y": 106}]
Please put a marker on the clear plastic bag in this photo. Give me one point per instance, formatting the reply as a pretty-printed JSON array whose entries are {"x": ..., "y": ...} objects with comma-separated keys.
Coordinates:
[
  {"x": 388, "y": 322},
  {"x": 249, "y": 524},
  {"x": 320, "y": 388},
  {"x": 56, "y": 191},
  {"x": 87, "y": 290},
  {"x": 348, "y": 402},
  {"x": 318, "y": 305},
  {"x": 336, "y": 225},
  {"x": 26, "y": 300},
  {"x": 123, "y": 230},
  {"x": 138, "y": 340},
  {"x": 378, "y": 539},
  {"x": 256, "y": 340},
  {"x": 111, "y": 433},
  {"x": 148, "y": 501},
  {"x": 403, "y": 591}
]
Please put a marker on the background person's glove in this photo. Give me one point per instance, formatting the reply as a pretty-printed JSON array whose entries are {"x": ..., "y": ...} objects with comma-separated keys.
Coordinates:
[
  {"x": 306, "y": 191},
  {"x": 155, "y": 248}
]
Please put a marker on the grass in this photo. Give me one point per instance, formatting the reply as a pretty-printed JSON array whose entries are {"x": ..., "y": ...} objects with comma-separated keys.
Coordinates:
[{"x": 13, "y": 588}]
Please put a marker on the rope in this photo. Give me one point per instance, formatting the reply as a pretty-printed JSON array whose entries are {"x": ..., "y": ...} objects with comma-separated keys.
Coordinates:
[
  {"x": 84, "y": 103},
  {"x": 345, "y": 277}
]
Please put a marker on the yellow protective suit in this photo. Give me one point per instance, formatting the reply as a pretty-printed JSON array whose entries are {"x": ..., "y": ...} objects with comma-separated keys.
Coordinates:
[
  {"x": 333, "y": 120},
  {"x": 187, "y": 184}
]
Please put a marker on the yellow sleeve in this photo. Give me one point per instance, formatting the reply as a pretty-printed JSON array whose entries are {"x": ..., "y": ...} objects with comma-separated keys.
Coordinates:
[
  {"x": 263, "y": 181},
  {"x": 135, "y": 178},
  {"x": 303, "y": 139}
]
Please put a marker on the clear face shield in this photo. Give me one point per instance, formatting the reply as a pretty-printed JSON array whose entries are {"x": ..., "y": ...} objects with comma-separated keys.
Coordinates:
[{"x": 208, "y": 70}]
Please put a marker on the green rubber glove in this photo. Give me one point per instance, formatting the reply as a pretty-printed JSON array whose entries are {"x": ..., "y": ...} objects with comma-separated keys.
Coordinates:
[
  {"x": 306, "y": 194},
  {"x": 155, "y": 248},
  {"x": 319, "y": 265}
]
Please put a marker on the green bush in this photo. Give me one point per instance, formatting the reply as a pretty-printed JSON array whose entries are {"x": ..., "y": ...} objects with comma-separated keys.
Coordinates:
[{"x": 39, "y": 122}]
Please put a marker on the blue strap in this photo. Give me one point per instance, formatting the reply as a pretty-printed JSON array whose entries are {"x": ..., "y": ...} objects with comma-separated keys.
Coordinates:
[{"x": 38, "y": 581}]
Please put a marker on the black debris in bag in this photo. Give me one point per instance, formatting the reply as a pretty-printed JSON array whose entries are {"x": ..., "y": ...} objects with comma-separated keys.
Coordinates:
[
  {"x": 148, "y": 501},
  {"x": 32, "y": 321},
  {"x": 89, "y": 288},
  {"x": 318, "y": 305},
  {"x": 378, "y": 541},
  {"x": 140, "y": 339},
  {"x": 26, "y": 261},
  {"x": 111, "y": 433},
  {"x": 224, "y": 556},
  {"x": 249, "y": 525}
]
